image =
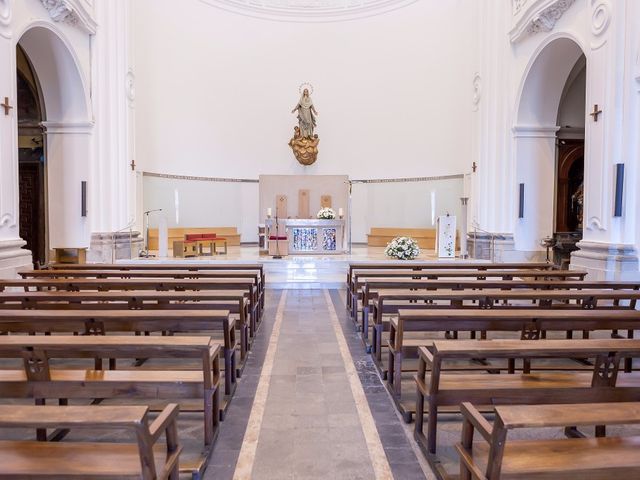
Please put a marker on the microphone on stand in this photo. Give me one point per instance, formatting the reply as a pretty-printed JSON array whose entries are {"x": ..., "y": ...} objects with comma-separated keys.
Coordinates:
[{"x": 145, "y": 253}]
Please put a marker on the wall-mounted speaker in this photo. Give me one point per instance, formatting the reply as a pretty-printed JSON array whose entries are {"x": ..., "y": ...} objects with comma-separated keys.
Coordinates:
[
  {"x": 617, "y": 208},
  {"x": 521, "y": 201},
  {"x": 83, "y": 199}
]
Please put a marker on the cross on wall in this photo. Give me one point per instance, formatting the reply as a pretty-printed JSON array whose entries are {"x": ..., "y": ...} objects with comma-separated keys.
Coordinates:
[
  {"x": 7, "y": 107},
  {"x": 595, "y": 113}
]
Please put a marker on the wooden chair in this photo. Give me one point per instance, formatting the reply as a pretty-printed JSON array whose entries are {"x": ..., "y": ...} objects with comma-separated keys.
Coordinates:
[
  {"x": 500, "y": 458},
  {"x": 140, "y": 459}
]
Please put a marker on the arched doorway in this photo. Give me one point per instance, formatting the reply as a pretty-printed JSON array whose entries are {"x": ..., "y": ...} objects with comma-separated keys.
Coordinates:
[
  {"x": 542, "y": 137},
  {"x": 31, "y": 160},
  {"x": 570, "y": 164},
  {"x": 54, "y": 148}
]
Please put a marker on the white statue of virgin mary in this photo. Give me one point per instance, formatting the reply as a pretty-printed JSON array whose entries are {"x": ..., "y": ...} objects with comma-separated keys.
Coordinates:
[{"x": 306, "y": 115}]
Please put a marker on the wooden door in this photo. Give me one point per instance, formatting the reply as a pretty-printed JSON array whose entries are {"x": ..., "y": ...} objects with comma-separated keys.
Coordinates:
[{"x": 32, "y": 212}]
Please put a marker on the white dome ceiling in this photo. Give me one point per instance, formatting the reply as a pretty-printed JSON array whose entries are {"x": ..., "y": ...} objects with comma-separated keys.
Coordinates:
[{"x": 309, "y": 10}]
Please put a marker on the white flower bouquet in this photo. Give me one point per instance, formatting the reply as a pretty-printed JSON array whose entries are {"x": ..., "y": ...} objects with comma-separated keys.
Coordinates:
[
  {"x": 326, "y": 214},
  {"x": 402, "y": 248}
]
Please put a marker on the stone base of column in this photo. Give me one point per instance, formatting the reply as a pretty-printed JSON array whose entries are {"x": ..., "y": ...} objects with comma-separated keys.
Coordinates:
[
  {"x": 14, "y": 258},
  {"x": 501, "y": 249},
  {"x": 606, "y": 261},
  {"x": 107, "y": 247}
]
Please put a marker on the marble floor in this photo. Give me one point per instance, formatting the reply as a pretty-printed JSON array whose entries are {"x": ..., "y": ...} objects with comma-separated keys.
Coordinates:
[
  {"x": 310, "y": 404},
  {"x": 297, "y": 271}
]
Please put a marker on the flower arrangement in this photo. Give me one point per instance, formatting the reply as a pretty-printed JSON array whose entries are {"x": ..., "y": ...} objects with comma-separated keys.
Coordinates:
[
  {"x": 326, "y": 214},
  {"x": 403, "y": 248}
]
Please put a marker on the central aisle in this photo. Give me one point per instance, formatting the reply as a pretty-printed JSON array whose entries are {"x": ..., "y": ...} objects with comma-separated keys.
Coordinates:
[
  {"x": 308, "y": 407},
  {"x": 310, "y": 426}
]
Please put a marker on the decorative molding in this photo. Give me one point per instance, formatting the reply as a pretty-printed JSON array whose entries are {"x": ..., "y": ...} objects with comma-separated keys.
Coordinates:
[
  {"x": 410, "y": 179},
  {"x": 7, "y": 219},
  {"x": 84, "y": 128},
  {"x": 5, "y": 18},
  {"x": 131, "y": 88},
  {"x": 637, "y": 74},
  {"x": 72, "y": 12},
  {"x": 535, "y": 131},
  {"x": 250, "y": 180},
  {"x": 600, "y": 16},
  {"x": 477, "y": 91},
  {"x": 595, "y": 222},
  {"x": 538, "y": 16},
  {"x": 309, "y": 10},
  {"x": 199, "y": 179}
]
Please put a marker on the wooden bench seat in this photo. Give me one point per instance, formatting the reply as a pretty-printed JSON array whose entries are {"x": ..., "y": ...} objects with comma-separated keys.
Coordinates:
[
  {"x": 533, "y": 320},
  {"x": 254, "y": 275},
  {"x": 359, "y": 277},
  {"x": 100, "y": 322},
  {"x": 236, "y": 302},
  {"x": 137, "y": 284},
  {"x": 391, "y": 301},
  {"x": 146, "y": 265},
  {"x": 142, "y": 459},
  {"x": 419, "y": 265},
  {"x": 41, "y": 380},
  {"x": 500, "y": 458},
  {"x": 439, "y": 388},
  {"x": 367, "y": 288}
]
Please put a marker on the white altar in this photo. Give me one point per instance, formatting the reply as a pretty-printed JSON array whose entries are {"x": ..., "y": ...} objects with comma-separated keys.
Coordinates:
[{"x": 310, "y": 236}]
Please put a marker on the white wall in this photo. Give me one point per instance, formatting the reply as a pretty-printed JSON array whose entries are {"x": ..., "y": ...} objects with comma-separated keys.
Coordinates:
[
  {"x": 214, "y": 91},
  {"x": 222, "y": 204}
]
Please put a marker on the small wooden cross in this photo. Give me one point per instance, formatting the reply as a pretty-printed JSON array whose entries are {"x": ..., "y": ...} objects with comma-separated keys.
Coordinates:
[
  {"x": 133, "y": 165},
  {"x": 6, "y": 105},
  {"x": 474, "y": 167},
  {"x": 595, "y": 113}
]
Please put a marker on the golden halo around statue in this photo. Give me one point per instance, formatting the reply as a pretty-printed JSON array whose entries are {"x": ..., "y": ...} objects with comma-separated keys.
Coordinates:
[{"x": 305, "y": 85}]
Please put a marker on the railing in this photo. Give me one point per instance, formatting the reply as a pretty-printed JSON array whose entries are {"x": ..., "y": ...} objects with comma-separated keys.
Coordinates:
[
  {"x": 113, "y": 241},
  {"x": 492, "y": 241}
]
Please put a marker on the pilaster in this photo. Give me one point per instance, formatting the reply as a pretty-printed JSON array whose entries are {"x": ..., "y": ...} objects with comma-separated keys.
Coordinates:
[{"x": 113, "y": 176}]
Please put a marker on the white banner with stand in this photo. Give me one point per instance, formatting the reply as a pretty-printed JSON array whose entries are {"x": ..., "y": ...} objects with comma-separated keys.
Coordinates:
[{"x": 446, "y": 237}]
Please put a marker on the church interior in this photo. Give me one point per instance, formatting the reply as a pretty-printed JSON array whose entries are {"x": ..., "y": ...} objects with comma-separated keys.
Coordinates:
[{"x": 308, "y": 239}]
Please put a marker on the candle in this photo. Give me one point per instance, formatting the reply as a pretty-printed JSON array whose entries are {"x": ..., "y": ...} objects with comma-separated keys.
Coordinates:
[
  {"x": 269, "y": 212},
  {"x": 340, "y": 212}
]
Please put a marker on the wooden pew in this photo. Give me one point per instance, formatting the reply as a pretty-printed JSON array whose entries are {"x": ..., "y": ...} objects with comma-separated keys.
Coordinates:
[
  {"x": 370, "y": 289},
  {"x": 362, "y": 276},
  {"x": 101, "y": 322},
  {"x": 146, "y": 265},
  {"x": 455, "y": 265},
  {"x": 161, "y": 285},
  {"x": 438, "y": 388},
  {"x": 583, "y": 458},
  {"x": 140, "y": 459},
  {"x": 254, "y": 275},
  {"x": 39, "y": 380},
  {"x": 390, "y": 301},
  {"x": 527, "y": 322},
  {"x": 235, "y": 301}
]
